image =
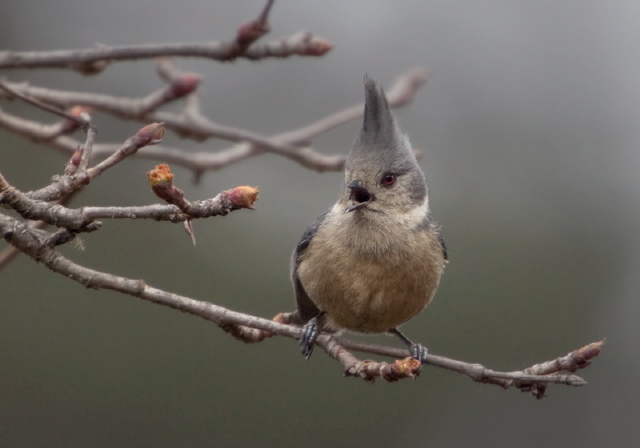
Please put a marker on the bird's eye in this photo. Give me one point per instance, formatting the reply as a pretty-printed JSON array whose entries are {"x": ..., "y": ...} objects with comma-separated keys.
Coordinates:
[{"x": 388, "y": 179}]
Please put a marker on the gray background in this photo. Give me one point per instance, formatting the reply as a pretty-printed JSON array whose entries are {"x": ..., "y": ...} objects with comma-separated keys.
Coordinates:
[{"x": 530, "y": 130}]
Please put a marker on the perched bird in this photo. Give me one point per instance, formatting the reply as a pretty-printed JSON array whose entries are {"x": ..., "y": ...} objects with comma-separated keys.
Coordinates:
[{"x": 374, "y": 260}]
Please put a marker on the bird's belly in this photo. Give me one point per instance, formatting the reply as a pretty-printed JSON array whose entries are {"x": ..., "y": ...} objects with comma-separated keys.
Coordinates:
[{"x": 374, "y": 295}]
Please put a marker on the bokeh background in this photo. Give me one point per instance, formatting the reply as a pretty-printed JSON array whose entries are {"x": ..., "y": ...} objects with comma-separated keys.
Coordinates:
[{"x": 529, "y": 128}]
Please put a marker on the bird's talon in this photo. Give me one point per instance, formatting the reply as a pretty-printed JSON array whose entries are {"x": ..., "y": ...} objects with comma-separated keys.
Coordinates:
[
  {"x": 308, "y": 337},
  {"x": 419, "y": 352}
]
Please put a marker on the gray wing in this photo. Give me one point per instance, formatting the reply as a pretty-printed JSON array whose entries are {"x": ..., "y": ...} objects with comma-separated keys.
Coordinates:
[
  {"x": 306, "y": 308},
  {"x": 443, "y": 245},
  {"x": 429, "y": 225}
]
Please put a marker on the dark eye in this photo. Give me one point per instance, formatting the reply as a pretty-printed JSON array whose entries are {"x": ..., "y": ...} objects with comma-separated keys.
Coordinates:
[{"x": 388, "y": 179}]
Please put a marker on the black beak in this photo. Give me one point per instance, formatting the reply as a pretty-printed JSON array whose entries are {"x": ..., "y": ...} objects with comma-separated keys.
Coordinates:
[{"x": 360, "y": 196}]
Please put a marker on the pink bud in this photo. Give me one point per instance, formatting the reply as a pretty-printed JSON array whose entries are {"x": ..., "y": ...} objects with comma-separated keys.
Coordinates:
[
  {"x": 151, "y": 134},
  {"x": 185, "y": 84}
]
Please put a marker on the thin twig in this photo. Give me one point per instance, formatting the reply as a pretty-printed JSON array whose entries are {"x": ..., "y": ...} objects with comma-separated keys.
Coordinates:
[
  {"x": 9, "y": 253},
  {"x": 78, "y": 178},
  {"x": 82, "y": 121},
  {"x": 94, "y": 60},
  {"x": 401, "y": 93},
  {"x": 250, "y": 32},
  {"x": 87, "y": 149},
  {"x": 122, "y": 107},
  {"x": 85, "y": 219},
  {"x": 262, "y": 18},
  {"x": 4, "y": 85}
]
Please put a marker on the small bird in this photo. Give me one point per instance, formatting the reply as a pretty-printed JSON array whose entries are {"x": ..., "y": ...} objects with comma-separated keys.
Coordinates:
[{"x": 374, "y": 260}]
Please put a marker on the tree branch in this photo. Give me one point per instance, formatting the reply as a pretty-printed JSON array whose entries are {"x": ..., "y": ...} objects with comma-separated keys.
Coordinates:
[
  {"x": 77, "y": 175},
  {"x": 252, "y": 329},
  {"x": 80, "y": 121},
  {"x": 85, "y": 219},
  {"x": 401, "y": 93},
  {"x": 9, "y": 253},
  {"x": 192, "y": 125},
  {"x": 94, "y": 60},
  {"x": 251, "y": 31}
]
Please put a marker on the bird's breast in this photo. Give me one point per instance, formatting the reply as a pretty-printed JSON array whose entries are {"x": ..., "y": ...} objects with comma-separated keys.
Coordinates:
[{"x": 371, "y": 280}]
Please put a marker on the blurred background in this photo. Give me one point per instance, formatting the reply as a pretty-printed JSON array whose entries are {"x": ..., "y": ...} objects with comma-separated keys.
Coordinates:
[{"x": 529, "y": 129}]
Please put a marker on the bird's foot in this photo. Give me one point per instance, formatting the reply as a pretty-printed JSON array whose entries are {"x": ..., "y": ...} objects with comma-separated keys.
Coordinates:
[
  {"x": 419, "y": 352},
  {"x": 310, "y": 333}
]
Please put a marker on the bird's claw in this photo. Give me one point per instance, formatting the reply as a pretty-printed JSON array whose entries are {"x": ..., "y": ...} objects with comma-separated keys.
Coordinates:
[
  {"x": 307, "y": 341},
  {"x": 419, "y": 352}
]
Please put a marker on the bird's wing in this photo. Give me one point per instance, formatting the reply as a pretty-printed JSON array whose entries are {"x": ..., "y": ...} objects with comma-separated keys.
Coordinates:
[
  {"x": 445, "y": 252},
  {"x": 306, "y": 308},
  {"x": 429, "y": 225}
]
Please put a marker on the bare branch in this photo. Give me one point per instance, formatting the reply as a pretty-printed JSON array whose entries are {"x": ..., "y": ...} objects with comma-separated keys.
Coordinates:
[
  {"x": 122, "y": 107},
  {"x": 255, "y": 328},
  {"x": 87, "y": 149},
  {"x": 401, "y": 93},
  {"x": 82, "y": 120},
  {"x": 4, "y": 85},
  {"x": 370, "y": 370},
  {"x": 251, "y": 31},
  {"x": 151, "y": 134},
  {"x": 265, "y": 13},
  {"x": 198, "y": 162},
  {"x": 76, "y": 178},
  {"x": 9, "y": 253},
  {"x": 33, "y": 130},
  {"x": 94, "y": 60},
  {"x": 203, "y": 128},
  {"x": 85, "y": 219}
]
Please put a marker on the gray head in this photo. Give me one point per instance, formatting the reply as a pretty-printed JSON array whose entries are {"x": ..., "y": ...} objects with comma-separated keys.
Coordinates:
[{"x": 381, "y": 172}]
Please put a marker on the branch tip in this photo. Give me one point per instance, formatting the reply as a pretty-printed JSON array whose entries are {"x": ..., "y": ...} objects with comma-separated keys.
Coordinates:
[
  {"x": 592, "y": 350},
  {"x": 188, "y": 227},
  {"x": 404, "y": 88},
  {"x": 242, "y": 197},
  {"x": 151, "y": 134},
  {"x": 72, "y": 165},
  {"x": 185, "y": 84},
  {"x": 370, "y": 370},
  {"x": 317, "y": 46},
  {"x": 161, "y": 181},
  {"x": 161, "y": 174},
  {"x": 81, "y": 112},
  {"x": 407, "y": 367}
]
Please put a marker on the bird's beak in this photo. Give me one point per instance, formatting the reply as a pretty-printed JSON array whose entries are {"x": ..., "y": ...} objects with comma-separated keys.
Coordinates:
[{"x": 360, "y": 196}]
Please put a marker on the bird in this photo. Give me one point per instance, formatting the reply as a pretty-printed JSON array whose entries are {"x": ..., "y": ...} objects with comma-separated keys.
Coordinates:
[{"x": 374, "y": 260}]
